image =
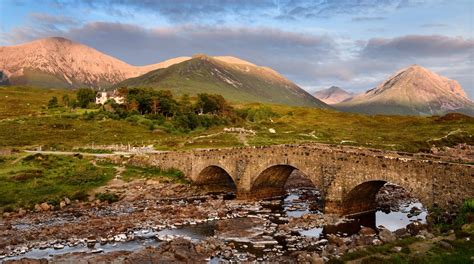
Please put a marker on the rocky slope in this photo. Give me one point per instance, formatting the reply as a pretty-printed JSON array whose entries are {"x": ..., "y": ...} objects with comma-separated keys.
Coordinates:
[
  {"x": 412, "y": 91},
  {"x": 59, "y": 62},
  {"x": 235, "y": 79},
  {"x": 333, "y": 95}
]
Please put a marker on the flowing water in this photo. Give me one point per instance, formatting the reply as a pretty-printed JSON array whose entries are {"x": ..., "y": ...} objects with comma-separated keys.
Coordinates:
[{"x": 297, "y": 203}]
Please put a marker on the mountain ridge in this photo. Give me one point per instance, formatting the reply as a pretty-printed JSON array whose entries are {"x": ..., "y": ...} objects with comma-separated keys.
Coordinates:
[
  {"x": 412, "y": 91},
  {"x": 66, "y": 63},
  {"x": 235, "y": 79}
]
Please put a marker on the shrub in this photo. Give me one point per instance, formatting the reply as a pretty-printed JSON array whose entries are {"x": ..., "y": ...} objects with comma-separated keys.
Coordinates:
[{"x": 110, "y": 197}]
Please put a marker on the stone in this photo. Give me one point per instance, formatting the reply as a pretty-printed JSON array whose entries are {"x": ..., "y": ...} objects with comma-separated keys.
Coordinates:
[
  {"x": 401, "y": 233},
  {"x": 333, "y": 239},
  {"x": 415, "y": 228},
  {"x": 67, "y": 201},
  {"x": 45, "y": 207},
  {"x": 426, "y": 234},
  {"x": 21, "y": 212},
  {"x": 386, "y": 236},
  {"x": 444, "y": 244},
  {"x": 272, "y": 130},
  {"x": 62, "y": 204},
  {"x": 377, "y": 242},
  {"x": 37, "y": 208},
  {"x": 367, "y": 231},
  {"x": 397, "y": 249}
]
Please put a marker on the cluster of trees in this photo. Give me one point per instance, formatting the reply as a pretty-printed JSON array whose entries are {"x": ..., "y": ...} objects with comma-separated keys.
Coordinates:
[
  {"x": 160, "y": 109},
  {"x": 84, "y": 98}
]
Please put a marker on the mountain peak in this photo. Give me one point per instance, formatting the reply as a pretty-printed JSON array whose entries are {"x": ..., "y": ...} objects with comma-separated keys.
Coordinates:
[
  {"x": 412, "y": 90},
  {"x": 332, "y": 95},
  {"x": 201, "y": 56}
]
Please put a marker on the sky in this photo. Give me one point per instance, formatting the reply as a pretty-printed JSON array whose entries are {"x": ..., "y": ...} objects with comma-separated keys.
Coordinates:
[{"x": 353, "y": 44}]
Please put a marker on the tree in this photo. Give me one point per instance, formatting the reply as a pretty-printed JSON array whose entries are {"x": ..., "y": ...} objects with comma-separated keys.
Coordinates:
[
  {"x": 211, "y": 103},
  {"x": 85, "y": 96},
  {"x": 53, "y": 102},
  {"x": 185, "y": 105},
  {"x": 66, "y": 100}
]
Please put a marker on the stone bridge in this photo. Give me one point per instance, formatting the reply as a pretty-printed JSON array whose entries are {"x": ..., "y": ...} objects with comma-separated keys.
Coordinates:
[{"x": 348, "y": 177}]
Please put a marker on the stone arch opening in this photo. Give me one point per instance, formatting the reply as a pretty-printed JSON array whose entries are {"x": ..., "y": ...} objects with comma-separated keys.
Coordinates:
[
  {"x": 216, "y": 179},
  {"x": 380, "y": 195},
  {"x": 362, "y": 198},
  {"x": 277, "y": 179},
  {"x": 271, "y": 181}
]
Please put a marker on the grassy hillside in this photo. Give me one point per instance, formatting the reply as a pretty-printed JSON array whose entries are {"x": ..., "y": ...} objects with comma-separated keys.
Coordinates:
[
  {"x": 31, "y": 125},
  {"x": 238, "y": 84}
]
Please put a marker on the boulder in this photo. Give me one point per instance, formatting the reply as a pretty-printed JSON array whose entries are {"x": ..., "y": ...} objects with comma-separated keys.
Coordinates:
[
  {"x": 415, "y": 228},
  {"x": 333, "y": 239},
  {"x": 386, "y": 236},
  {"x": 21, "y": 212},
  {"x": 45, "y": 207},
  {"x": 367, "y": 231},
  {"x": 62, "y": 204}
]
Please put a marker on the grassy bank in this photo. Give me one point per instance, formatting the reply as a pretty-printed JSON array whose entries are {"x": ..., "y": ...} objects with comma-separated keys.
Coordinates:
[
  {"x": 171, "y": 175},
  {"x": 28, "y": 180}
]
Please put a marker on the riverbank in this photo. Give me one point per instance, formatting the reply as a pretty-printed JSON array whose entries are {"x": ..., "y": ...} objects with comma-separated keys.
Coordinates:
[{"x": 166, "y": 221}]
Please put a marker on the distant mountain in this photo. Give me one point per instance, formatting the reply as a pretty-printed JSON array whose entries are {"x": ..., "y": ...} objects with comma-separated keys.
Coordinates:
[
  {"x": 59, "y": 62},
  {"x": 333, "y": 95},
  {"x": 412, "y": 91},
  {"x": 235, "y": 79}
]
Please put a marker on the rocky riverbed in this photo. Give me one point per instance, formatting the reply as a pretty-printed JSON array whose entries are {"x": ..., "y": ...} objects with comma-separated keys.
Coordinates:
[{"x": 170, "y": 222}]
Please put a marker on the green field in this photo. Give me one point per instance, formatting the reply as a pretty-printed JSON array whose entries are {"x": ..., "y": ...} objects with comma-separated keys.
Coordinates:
[{"x": 26, "y": 123}]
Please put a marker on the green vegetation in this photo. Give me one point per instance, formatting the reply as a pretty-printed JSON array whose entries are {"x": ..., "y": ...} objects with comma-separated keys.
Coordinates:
[
  {"x": 93, "y": 150},
  {"x": 171, "y": 175},
  {"x": 110, "y": 197},
  {"x": 85, "y": 97},
  {"x": 25, "y": 122},
  {"x": 28, "y": 180}
]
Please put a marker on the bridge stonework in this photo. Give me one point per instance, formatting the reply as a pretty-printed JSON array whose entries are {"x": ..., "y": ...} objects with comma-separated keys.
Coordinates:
[{"x": 348, "y": 177}]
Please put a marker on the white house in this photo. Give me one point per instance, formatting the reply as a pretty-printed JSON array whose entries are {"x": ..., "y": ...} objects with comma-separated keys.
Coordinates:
[{"x": 103, "y": 97}]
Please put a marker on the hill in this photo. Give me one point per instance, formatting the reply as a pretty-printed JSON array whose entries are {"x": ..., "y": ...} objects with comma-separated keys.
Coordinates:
[
  {"x": 235, "y": 79},
  {"x": 333, "y": 95},
  {"x": 412, "y": 91}
]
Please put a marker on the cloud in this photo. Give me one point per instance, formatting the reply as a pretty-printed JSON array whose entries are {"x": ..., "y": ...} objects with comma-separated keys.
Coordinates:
[
  {"x": 177, "y": 11},
  {"x": 438, "y": 25},
  {"x": 362, "y": 19},
  {"x": 297, "y": 9},
  {"x": 418, "y": 46},
  {"x": 222, "y": 11}
]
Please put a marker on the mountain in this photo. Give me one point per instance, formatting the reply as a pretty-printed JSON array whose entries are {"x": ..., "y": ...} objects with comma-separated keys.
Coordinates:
[
  {"x": 332, "y": 95},
  {"x": 235, "y": 79},
  {"x": 59, "y": 62},
  {"x": 412, "y": 91}
]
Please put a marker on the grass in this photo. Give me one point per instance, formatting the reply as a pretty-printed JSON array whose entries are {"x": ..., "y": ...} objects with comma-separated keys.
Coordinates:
[
  {"x": 462, "y": 251},
  {"x": 171, "y": 175},
  {"x": 24, "y": 123},
  {"x": 28, "y": 180}
]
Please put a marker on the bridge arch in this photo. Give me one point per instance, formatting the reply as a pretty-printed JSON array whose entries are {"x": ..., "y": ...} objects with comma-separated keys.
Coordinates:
[
  {"x": 271, "y": 180},
  {"x": 358, "y": 195},
  {"x": 216, "y": 178}
]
